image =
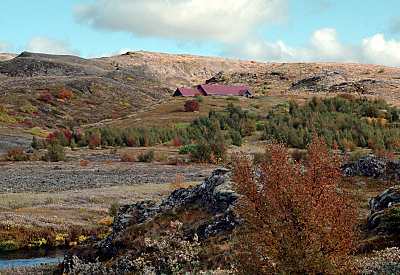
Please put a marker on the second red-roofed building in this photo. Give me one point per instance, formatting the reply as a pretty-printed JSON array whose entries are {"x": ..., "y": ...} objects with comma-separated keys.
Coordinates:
[{"x": 214, "y": 90}]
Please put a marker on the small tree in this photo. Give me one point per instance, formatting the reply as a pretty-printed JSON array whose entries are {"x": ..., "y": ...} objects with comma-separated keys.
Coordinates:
[
  {"x": 55, "y": 153},
  {"x": 296, "y": 220},
  {"x": 192, "y": 106}
]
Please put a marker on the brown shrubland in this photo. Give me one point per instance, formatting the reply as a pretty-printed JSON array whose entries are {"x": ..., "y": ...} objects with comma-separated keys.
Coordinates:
[{"x": 296, "y": 219}]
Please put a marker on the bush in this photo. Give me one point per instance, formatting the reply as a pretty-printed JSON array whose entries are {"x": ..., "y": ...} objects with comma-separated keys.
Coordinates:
[
  {"x": 46, "y": 97},
  {"x": 113, "y": 210},
  {"x": 55, "y": 153},
  {"x": 187, "y": 149},
  {"x": 17, "y": 154},
  {"x": 65, "y": 94},
  {"x": 295, "y": 219},
  {"x": 147, "y": 156},
  {"x": 346, "y": 121},
  {"x": 126, "y": 157},
  {"x": 236, "y": 137},
  {"x": 199, "y": 98},
  {"x": 94, "y": 140},
  {"x": 192, "y": 106}
]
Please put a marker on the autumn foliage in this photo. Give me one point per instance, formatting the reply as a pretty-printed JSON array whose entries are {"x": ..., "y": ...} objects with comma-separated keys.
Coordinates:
[
  {"x": 192, "y": 106},
  {"x": 296, "y": 219},
  {"x": 65, "y": 94}
]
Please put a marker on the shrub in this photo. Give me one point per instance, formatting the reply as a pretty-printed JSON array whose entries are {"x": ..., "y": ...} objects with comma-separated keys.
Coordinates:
[
  {"x": 46, "y": 97},
  {"x": 187, "y": 149},
  {"x": 147, "y": 156},
  {"x": 113, "y": 210},
  {"x": 17, "y": 154},
  {"x": 192, "y": 106},
  {"x": 177, "y": 142},
  {"x": 55, "y": 153},
  {"x": 65, "y": 94},
  {"x": 94, "y": 140},
  {"x": 236, "y": 137},
  {"x": 126, "y": 157},
  {"x": 295, "y": 219},
  {"x": 347, "y": 121},
  {"x": 38, "y": 143},
  {"x": 199, "y": 98}
]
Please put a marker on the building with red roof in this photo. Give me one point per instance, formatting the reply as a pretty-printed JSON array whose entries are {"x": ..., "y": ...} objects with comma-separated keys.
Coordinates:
[
  {"x": 187, "y": 92},
  {"x": 224, "y": 90},
  {"x": 214, "y": 90}
]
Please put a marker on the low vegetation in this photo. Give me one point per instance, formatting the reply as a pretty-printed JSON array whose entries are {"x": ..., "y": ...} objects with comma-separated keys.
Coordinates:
[
  {"x": 205, "y": 139},
  {"x": 192, "y": 106},
  {"x": 346, "y": 121}
]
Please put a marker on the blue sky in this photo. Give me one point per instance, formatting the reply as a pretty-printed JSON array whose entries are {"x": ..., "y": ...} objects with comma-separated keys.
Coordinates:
[{"x": 365, "y": 31}]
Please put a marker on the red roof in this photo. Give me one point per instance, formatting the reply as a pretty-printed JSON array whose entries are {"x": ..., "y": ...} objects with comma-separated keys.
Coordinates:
[
  {"x": 217, "y": 89},
  {"x": 188, "y": 91}
]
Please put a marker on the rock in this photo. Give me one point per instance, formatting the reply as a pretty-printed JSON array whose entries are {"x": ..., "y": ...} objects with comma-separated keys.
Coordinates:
[
  {"x": 213, "y": 196},
  {"x": 384, "y": 216},
  {"x": 385, "y": 200},
  {"x": 375, "y": 167}
]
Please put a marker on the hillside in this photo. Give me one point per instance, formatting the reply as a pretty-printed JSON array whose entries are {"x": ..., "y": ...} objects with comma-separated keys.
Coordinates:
[{"x": 51, "y": 91}]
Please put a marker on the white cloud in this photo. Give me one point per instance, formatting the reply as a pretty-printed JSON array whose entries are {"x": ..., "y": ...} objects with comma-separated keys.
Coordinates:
[
  {"x": 235, "y": 26},
  {"x": 324, "y": 46},
  {"x": 377, "y": 49},
  {"x": 50, "y": 46},
  {"x": 226, "y": 21}
]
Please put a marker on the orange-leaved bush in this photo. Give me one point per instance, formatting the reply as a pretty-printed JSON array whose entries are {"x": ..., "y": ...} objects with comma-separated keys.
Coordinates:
[{"x": 296, "y": 219}]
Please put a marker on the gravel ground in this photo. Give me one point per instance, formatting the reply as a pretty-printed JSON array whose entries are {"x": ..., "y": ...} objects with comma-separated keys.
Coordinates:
[
  {"x": 8, "y": 141},
  {"x": 54, "y": 177}
]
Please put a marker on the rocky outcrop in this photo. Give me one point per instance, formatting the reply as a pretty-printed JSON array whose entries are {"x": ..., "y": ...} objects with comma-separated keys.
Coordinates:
[
  {"x": 375, "y": 167},
  {"x": 384, "y": 216},
  {"x": 213, "y": 196}
]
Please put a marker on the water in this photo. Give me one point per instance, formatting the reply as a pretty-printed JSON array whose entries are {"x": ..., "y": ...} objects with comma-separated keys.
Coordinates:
[{"x": 30, "y": 258}]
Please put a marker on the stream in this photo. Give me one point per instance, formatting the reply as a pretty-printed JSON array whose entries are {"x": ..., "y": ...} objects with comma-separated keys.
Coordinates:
[{"x": 30, "y": 258}]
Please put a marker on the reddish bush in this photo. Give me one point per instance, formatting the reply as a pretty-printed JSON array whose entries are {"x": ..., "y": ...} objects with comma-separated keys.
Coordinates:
[
  {"x": 192, "y": 106},
  {"x": 65, "y": 94},
  {"x": 296, "y": 219},
  {"x": 126, "y": 157},
  {"x": 177, "y": 142},
  {"x": 46, "y": 97},
  {"x": 17, "y": 154},
  {"x": 68, "y": 135},
  {"x": 94, "y": 140}
]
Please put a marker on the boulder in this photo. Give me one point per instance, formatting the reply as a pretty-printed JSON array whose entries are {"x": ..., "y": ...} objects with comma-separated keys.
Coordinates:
[
  {"x": 373, "y": 166},
  {"x": 384, "y": 216}
]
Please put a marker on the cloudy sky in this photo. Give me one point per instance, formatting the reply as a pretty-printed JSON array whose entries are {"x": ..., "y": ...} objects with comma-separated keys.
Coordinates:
[{"x": 366, "y": 31}]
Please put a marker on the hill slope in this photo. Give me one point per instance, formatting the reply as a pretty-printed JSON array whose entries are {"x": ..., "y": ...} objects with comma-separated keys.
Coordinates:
[{"x": 33, "y": 86}]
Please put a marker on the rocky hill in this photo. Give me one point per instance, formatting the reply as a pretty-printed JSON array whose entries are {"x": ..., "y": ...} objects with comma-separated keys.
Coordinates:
[{"x": 51, "y": 90}]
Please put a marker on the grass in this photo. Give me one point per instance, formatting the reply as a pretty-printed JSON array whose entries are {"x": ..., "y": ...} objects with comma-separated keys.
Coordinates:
[
  {"x": 39, "y": 132},
  {"x": 171, "y": 112}
]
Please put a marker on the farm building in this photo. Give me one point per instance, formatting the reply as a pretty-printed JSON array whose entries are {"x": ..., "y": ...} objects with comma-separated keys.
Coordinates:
[
  {"x": 214, "y": 90},
  {"x": 224, "y": 90},
  {"x": 187, "y": 92}
]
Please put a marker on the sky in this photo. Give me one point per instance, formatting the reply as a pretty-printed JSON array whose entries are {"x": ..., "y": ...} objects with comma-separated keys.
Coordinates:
[{"x": 364, "y": 31}]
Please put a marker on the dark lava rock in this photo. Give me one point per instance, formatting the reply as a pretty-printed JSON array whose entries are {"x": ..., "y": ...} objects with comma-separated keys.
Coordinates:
[
  {"x": 213, "y": 196},
  {"x": 375, "y": 167},
  {"x": 384, "y": 214}
]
